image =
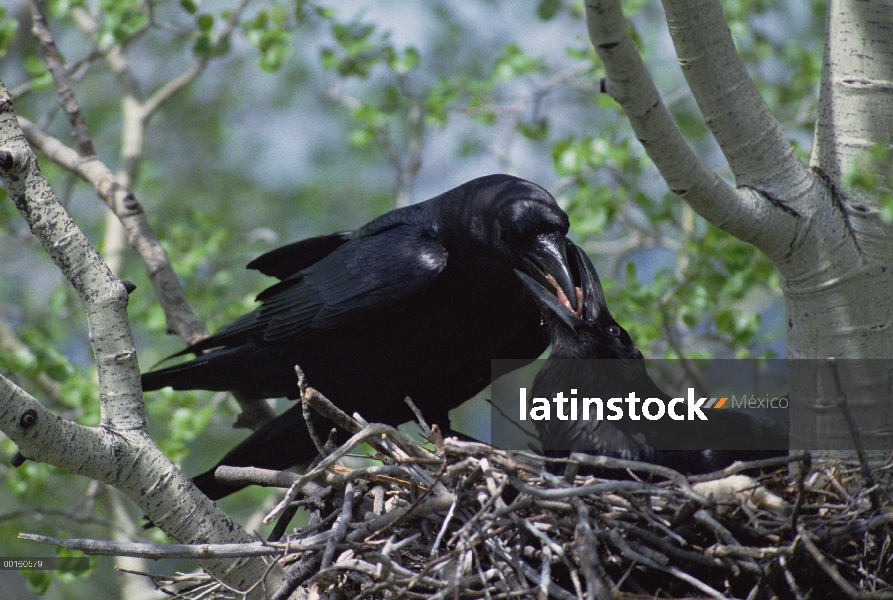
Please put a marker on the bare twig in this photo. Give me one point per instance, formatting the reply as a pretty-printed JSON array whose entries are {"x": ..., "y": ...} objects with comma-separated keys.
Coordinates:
[
  {"x": 64, "y": 86},
  {"x": 166, "y": 92},
  {"x": 180, "y": 317},
  {"x": 159, "y": 551},
  {"x": 832, "y": 572},
  {"x": 418, "y": 415},
  {"x": 340, "y": 529}
]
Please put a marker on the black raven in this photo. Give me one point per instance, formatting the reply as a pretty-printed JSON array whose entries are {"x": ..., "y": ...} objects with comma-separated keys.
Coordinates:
[
  {"x": 584, "y": 329},
  {"x": 415, "y": 303}
]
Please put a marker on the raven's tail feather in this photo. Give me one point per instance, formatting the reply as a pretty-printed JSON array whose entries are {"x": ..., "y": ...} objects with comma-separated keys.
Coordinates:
[
  {"x": 236, "y": 370},
  {"x": 190, "y": 375}
]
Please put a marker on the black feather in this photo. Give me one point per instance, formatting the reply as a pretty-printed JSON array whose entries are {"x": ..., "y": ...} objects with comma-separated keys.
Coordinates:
[{"x": 415, "y": 303}]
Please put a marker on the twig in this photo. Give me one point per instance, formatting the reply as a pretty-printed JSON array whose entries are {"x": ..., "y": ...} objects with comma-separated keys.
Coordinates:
[
  {"x": 159, "y": 551},
  {"x": 418, "y": 415},
  {"x": 855, "y": 433},
  {"x": 64, "y": 86},
  {"x": 739, "y": 467},
  {"x": 179, "y": 315},
  {"x": 167, "y": 91},
  {"x": 340, "y": 529},
  {"x": 324, "y": 406},
  {"x": 311, "y": 428},
  {"x": 805, "y": 466}
]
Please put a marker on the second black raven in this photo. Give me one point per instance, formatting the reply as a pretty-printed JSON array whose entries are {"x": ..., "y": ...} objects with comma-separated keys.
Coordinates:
[
  {"x": 583, "y": 329},
  {"x": 415, "y": 303}
]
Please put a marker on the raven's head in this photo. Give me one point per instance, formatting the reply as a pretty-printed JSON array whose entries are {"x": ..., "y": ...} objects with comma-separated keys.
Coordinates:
[
  {"x": 519, "y": 224},
  {"x": 583, "y": 328}
]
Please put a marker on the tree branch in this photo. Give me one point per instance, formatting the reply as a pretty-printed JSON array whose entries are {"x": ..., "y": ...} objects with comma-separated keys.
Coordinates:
[
  {"x": 114, "y": 55},
  {"x": 119, "y": 451},
  {"x": 136, "y": 111},
  {"x": 758, "y": 152},
  {"x": 180, "y": 318},
  {"x": 744, "y": 213},
  {"x": 64, "y": 86},
  {"x": 159, "y": 551},
  {"x": 29, "y": 424},
  {"x": 104, "y": 297},
  {"x": 167, "y": 91}
]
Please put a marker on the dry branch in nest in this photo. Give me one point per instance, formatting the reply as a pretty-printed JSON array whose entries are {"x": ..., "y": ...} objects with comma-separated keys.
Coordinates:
[{"x": 470, "y": 521}]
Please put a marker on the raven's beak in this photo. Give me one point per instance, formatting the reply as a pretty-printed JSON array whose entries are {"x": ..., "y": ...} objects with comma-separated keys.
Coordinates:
[
  {"x": 592, "y": 297},
  {"x": 548, "y": 300},
  {"x": 546, "y": 262}
]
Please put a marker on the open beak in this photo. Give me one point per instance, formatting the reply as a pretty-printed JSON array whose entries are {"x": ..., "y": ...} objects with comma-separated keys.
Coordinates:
[
  {"x": 592, "y": 297},
  {"x": 589, "y": 299},
  {"x": 546, "y": 263},
  {"x": 548, "y": 300}
]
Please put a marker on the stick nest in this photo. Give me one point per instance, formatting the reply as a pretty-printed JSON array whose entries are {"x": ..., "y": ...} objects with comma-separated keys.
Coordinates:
[{"x": 469, "y": 521}]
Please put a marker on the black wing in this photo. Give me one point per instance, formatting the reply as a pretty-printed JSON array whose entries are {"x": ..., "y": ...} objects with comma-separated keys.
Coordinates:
[
  {"x": 385, "y": 267},
  {"x": 290, "y": 259}
]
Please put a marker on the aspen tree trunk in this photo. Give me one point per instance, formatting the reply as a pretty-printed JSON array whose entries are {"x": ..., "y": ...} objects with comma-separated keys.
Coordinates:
[{"x": 832, "y": 249}]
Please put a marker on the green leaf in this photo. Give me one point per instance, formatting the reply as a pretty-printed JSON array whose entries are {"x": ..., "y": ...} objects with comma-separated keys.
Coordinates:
[
  {"x": 67, "y": 568},
  {"x": 205, "y": 22},
  {"x": 272, "y": 57},
  {"x": 328, "y": 58},
  {"x": 725, "y": 321},
  {"x": 34, "y": 65},
  {"x": 361, "y": 138},
  {"x": 42, "y": 82},
  {"x": 547, "y": 9},
  {"x": 62, "y": 8},
  {"x": 690, "y": 318},
  {"x": 514, "y": 62},
  {"x": 202, "y": 46},
  {"x": 371, "y": 114},
  {"x": 534, "y": 131},
  {"x": 403, "y": 65},
  {"x": 38, "y": 581},
  {"x": 8, "y": 30},
  {"x": 190, "y": 6}
]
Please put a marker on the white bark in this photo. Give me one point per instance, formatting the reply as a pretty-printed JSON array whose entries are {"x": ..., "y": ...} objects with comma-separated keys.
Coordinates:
[
  {"x": 855, "y": 107},
  {"x": 833, "y": 251},
  {"x": 838, "y": 290},
  {"x": 751, "y": 140},
  {"x": 118, "y": 451},
  {"x": 628, "y": 82}
]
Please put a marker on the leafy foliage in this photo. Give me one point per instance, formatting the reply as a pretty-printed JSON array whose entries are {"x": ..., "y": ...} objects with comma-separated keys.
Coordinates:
[{"x": 350, "y": 109}]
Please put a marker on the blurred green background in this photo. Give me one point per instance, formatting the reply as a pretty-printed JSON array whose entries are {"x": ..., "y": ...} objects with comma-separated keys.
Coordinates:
[{"x": 318, "y": 116}]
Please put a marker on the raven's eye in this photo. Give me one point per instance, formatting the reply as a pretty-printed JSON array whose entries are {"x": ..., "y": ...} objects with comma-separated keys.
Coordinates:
[{"x": 613, "y": 330}]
